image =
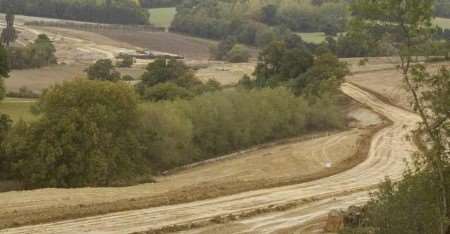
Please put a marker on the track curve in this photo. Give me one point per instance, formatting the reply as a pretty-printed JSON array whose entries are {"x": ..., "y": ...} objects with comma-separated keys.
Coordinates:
[{"x": 389, "y": 150}]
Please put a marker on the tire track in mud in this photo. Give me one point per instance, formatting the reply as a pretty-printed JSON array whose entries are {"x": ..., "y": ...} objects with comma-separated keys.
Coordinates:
[{"x": 389, "y": 150}]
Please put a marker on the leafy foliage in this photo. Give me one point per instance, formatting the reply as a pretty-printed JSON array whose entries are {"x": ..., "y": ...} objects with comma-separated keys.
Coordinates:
[
  {"x": 170, "y": 79},
  {"x": 407, "y": 207},
  {"x": 229, "y": 50},
  {"x": 251, "y": 22},
  {"x": 326, "y": 75},
  {"x": 103, "y": 70},
  {"x": 102, "y": 11},
  {"x": 408, "y": 28},
  {"x": 38, "y": 54},
  {"x": 282, "y": 61},
  {"x": 218, "y": 123},
  {"x": 86, "y": 136}
]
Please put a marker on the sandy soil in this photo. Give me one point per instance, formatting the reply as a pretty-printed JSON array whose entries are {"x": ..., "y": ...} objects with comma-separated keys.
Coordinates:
[
  {"x": 189, "y": 47},
  {"x": 225, "y": 73},
  {"x": 389, "y": 83},
  {"x": 389, "y": 149},
  {"x": 42, "y": 78},
  {"x": 269, "y": 166}
]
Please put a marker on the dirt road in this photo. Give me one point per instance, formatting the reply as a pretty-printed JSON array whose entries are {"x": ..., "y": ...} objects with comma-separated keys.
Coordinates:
[{"x": 389, "y": 150}]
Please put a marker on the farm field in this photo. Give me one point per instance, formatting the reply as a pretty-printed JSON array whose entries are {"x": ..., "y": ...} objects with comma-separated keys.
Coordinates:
[
  {"x": 315, "y": 37},
  {"x": 38, "y": 80},
  {"x": 162, "y": 17},
  {"x": 18, "y": 109},
  {"x": 189, "y": 47},
  {"x": 442, "y": 22}
]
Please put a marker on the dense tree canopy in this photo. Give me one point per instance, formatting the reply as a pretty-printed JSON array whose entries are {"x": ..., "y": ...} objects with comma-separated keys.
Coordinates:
[
  {"x": 257, "y": 22},
  {"x": 103, "y": 70},
  {"x": 282, "y": 61},
  {"x": 102, "y": 11},
  {"x": 218, "y": 123},
  {"x": 159, "y": 3},
  {"x": 86, "y": 136},
  {"x": 168, "y": 79}
]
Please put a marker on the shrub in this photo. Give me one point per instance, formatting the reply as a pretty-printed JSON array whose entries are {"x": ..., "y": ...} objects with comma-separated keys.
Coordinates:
[
  {"x": 127, "y": 78},
  {"x": 103, "y": 70},
  {"x": 407, "y": 207},
  {"x": 166, "y": 91},
  {"x": 238, "y": 54}
]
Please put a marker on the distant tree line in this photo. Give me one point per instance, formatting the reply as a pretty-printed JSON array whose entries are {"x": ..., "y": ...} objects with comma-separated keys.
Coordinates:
[
  {"x": 442, "y": 8},
  {"x": 159, "y": 3},
  {"x": 101, "y": 11},
  {"x": 221, "y": 19}
]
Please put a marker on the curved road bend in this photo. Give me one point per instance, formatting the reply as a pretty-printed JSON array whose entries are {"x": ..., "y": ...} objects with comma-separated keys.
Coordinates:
[{"x": 389, "y": 150}]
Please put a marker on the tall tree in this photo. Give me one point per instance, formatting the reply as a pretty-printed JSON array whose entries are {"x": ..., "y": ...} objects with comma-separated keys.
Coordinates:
[
  {"x": 4, "y": 70},
  {"x": 408, "y": 23},
  {"x": 9, "y": 34}
]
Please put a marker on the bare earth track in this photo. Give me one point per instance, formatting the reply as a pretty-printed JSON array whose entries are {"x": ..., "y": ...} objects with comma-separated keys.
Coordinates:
[{"x": 292, "y": 206}]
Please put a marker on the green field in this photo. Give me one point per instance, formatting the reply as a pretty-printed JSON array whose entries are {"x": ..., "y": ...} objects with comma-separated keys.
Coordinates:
[
  {"x": 442, "y": 22},
  {"x": 315, "y": 37},
  {"x": 162, "y": 17},
  {"x": 18, "y": 109}
]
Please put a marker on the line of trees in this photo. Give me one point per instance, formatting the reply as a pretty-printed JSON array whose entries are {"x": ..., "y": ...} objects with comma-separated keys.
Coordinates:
[
  {"x": 258, "y": 25},
  {"x": 101, "y": 11},
  {"x": 92, "y": 133},
  {"x": 159, "y": 3}
]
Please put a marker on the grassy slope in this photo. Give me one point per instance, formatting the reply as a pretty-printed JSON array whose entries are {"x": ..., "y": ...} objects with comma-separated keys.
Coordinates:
[
  {"x": 442, "y": 22},
  {"x": 162, "y": 17},
  {"x": 17, "y": 109},
  {"x": 316, "y": 37}
]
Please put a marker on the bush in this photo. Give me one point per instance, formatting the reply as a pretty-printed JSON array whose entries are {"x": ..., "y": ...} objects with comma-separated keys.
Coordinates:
[
  {"x": 127, "y": 78},
  {"x": 407, "y": 207},
  {"x": 166, "y": 91},
  {"x": 238, "y": 54},
  {"x": 86, "y": 136},
  {"x": 103, "y": 70}
]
